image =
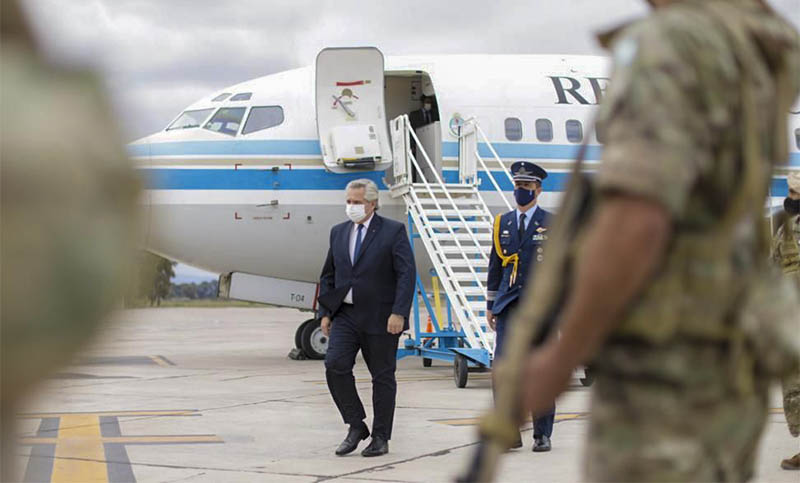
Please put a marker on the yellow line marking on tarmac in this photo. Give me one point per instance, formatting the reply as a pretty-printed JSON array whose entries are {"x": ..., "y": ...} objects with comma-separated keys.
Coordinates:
[
  {"x": 559, "y": 417},
  {"x": 199, "y": 438},
  {"x": 159, "y": 360},
  {"x": 476, "y": 421},
  {"x": 80, "y": 455},
  {"x": 181, "y": 412}
]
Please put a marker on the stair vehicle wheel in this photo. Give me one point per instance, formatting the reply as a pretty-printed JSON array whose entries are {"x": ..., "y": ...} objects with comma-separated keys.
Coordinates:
[
  {"x": 314, "y": 342},
  {"x": 460, "y": 371},
  {"x": 427, "y": 362},
  {"x": 298, "y": 334},
  {"x": 588, "y": 377}
]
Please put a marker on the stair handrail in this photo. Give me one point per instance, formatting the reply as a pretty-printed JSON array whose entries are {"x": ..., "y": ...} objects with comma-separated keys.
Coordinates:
[
  {"x": 435, "y": 200},
  {"x": 485, "y": 139}
]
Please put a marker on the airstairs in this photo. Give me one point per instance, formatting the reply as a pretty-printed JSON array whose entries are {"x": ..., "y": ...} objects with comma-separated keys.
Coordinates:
[{"x": 452, "y": 219}]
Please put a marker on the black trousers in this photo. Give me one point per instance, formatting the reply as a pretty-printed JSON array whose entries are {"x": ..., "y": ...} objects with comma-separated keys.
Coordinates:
[{"x": 380, "y": 354}]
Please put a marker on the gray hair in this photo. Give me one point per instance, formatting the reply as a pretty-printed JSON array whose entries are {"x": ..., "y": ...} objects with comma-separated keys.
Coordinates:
[{"x": 370, "y": 189}]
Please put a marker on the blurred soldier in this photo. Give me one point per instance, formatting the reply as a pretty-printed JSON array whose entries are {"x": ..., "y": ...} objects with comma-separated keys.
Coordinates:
[
  {"x": 695, "y": 117},
  {"x": 519, "y": 236},
  {"x": 786, "y": 254},
  {"x": 68, "y": 215}
]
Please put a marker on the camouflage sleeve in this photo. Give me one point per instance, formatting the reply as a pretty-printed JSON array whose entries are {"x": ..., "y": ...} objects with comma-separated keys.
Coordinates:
[
  {"x": 776, "y": 246},
  {"x": 655, "y": 119}
]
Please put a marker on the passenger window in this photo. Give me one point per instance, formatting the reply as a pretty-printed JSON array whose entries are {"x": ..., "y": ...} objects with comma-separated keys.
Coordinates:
[
  {"x": 226, "y": 121},
  {"x": 221, "y": 97},
  {"x": 574, "y": 131},
  {"x": 513, "y": 129},
  {"x": 544, "y": 130},
  {"x": 263, "y": 118},
  {"x": 797, "y": 137},
  {"x": 190, "y": 119},
  {"x": 242, "y": 96}
]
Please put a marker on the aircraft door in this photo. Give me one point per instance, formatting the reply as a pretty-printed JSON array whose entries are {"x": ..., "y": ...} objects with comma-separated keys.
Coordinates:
[{"x": 351, "y": 117}]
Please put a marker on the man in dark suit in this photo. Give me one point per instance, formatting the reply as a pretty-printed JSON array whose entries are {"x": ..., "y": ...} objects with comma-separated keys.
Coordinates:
[
  {"x": 366, "y": 289},
  {"x": 428, "y": 113},
  {"x": 519, "y": 236}
]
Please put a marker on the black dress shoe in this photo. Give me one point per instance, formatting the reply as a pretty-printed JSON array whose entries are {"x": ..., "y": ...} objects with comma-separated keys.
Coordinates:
[
  {"x": 541, "y": 444},
  {"x": 377, "y": 447},
  {"x": 355, "y": 435}
]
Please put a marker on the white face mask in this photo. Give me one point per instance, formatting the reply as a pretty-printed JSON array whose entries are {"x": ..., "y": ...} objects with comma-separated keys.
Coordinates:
[{"x": 355, "y": 212}]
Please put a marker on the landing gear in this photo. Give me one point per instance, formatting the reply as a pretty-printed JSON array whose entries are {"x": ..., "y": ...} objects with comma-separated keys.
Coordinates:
[
  {"x": 460, "y": 371},
  {"x": 309, "y": 341},
  {"x": 313, "y": 341}
]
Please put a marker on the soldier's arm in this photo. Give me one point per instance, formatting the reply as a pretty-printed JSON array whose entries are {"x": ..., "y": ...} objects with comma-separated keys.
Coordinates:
[{"x": 625, "y": 243}]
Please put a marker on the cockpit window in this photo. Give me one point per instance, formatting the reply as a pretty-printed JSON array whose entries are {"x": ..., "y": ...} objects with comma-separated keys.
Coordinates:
[
  {"x": 226, "y": 121},
  {"x": 221, "y": 97},
  {"x": 263, "y": 118},
  {"x": 242, "y": 96},
  {"x": 190, "y": 119}
]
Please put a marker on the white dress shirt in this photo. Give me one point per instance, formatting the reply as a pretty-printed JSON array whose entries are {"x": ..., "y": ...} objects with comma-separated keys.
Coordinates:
[
  {"x": 528, "y": 215},
  {"x": 348, "y": 299}
]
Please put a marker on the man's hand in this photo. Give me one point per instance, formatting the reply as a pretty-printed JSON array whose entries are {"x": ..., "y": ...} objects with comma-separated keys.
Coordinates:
[
  {"x": 325, "y": 325},
  {"x": 491, "y": 319},
  {"x": 395, "y": 325}
]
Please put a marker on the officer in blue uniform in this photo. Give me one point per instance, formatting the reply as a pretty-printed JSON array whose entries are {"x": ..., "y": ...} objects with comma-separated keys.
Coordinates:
[{"x": 517, "y": 249}]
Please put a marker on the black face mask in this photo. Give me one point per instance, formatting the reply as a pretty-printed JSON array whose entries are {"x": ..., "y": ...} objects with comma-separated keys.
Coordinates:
[{"x": 791, "y": 206}]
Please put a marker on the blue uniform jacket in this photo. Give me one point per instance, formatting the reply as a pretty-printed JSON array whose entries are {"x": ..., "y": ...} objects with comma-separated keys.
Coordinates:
[{"x": 499, "y": 293}]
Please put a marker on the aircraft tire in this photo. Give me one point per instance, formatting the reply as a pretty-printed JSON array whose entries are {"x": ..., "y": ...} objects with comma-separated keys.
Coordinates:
[
  {"x": 314, "y": 342},
  {"x": 427, "y": 362},
  {"x": 298, "y": 334},
  {"x": 460, "y": 371}
]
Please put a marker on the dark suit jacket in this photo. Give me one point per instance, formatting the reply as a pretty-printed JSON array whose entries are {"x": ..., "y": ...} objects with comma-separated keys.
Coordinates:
[
  {"x": 418, "y": 120},
  {"x": 382, "y": 278}
]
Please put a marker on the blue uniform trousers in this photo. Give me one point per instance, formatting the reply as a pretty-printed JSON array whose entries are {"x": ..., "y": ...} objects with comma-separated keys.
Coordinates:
[
  {"x": 380, "y": 354},
  {"x": 543, "y": 424}
]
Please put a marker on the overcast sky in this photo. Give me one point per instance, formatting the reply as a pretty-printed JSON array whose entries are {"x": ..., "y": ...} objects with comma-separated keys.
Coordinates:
[{"x": 158, "y": 56}]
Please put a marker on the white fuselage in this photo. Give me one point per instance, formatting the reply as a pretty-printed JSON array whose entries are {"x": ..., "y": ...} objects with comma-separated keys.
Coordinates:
[{"x": 263, "y": 203}]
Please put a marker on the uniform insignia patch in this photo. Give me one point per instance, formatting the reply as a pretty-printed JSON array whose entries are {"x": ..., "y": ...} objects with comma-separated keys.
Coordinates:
[{"x": 541, "y": 229}]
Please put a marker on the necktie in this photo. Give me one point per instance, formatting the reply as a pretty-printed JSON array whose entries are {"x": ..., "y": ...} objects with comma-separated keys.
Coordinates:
[
  {"x": 358, "y": 242},
  {"x": 521, "y": 227}
]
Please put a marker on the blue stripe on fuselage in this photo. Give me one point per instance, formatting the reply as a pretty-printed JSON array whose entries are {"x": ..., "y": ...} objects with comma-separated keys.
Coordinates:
[
  {"x": 321, "y": 179},
  {"x": 310, "y": 147}
]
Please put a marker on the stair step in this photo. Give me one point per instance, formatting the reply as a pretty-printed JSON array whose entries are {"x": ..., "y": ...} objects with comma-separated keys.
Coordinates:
[
  {"x": 450, "y": 187},
  {"x": 473, "y": 291},
  {"x": 458, "y": 224},
  {"x": 478, "y": 306},
  {"x": 448, "y": 213},
  {"x": 469, "y": 277},
  {"x": 477, "y": 263},
  {"x": 447, "y": 236},
  {"x": 469, "y": 250}
]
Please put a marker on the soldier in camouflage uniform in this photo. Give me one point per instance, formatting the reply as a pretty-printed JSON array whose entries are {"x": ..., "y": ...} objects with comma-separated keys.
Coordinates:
[
  {"x": 699, "y": 91},
  {"x": 786, "y": 254},
  {"x": 69, "y": 217}
]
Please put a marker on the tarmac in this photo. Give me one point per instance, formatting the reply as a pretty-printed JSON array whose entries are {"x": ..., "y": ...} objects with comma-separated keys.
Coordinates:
[{"x": 209, "y": 395}]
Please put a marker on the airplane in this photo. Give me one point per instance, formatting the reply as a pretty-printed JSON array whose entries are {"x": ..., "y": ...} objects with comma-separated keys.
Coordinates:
[{"x": 244, "y": 183}]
